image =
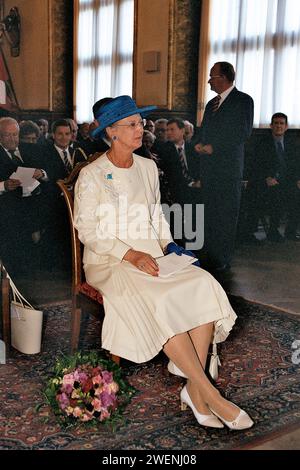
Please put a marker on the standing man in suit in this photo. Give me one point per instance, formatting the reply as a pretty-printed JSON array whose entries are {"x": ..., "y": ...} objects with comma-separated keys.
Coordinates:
[{"x": 226, "y": 125}]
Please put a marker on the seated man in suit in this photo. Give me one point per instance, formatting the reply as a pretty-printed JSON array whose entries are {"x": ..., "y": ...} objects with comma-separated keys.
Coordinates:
[
  {"x": 181, "y": 169},
  {"x": 278, "y": 178},
  {"x": 20, "y": 211},
  {"x": 60, "y": 159},
  {"x": 60, "y": 156}
]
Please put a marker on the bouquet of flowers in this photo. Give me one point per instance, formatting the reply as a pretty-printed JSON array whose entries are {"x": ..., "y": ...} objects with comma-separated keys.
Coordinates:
[{"x": 86, "y": 388}]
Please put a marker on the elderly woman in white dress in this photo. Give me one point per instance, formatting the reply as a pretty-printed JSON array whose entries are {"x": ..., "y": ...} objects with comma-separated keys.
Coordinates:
[{"x": 120, "y": 222}]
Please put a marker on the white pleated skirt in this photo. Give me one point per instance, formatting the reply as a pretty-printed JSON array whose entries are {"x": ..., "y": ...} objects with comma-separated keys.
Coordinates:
[{"x": 142, "y": 312}]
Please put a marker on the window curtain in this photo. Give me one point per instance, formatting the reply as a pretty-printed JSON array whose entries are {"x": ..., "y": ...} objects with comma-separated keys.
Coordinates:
[
  {"x": 104, "y": 31},
  {"x": 261, "y": 38}
]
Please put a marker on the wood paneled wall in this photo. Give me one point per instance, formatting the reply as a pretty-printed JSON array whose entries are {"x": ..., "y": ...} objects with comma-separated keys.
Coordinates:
[{"x": 42, "y": 74}]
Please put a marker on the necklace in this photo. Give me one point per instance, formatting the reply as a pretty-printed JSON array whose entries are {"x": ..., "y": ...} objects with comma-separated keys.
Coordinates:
[{"x": 122, "y": 164}]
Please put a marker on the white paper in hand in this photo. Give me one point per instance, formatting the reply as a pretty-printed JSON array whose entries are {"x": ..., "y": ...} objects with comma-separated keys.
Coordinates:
[
  {"x": 25, "y": 175},
  {"x": 173, "y": 263}
]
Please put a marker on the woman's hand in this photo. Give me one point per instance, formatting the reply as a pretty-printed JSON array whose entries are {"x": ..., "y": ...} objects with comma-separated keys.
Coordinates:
[{"x": 143, "y": 261}]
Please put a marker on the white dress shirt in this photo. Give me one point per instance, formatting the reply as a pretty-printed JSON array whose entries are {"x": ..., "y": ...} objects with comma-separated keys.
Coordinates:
[
  {"x": 61, "y": 154},
  {"x": 225, "y": 94},
  {"x": 17, "y": 153}
]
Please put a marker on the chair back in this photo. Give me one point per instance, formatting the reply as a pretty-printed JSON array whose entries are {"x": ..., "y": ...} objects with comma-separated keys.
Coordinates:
[{"x": 67, "y": 187}]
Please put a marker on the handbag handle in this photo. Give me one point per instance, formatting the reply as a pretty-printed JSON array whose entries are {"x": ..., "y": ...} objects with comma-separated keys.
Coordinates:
[{"x": 17, "y": 294}]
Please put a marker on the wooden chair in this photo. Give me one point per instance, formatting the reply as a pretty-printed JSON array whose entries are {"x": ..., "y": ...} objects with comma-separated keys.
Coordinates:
[
  {"x": 82, "y": 293},
  {"x": 5, "y": 307}
]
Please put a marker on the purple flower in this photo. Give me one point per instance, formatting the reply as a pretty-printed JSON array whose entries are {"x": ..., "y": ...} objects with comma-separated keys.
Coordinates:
[
  {"x": 63, "y": 400},
  {"x": 82, "y": 377},
  {"x": 107, "y": 376},
  {"x": 107, "y": 399},
  {"x": 67, "y": 388}
]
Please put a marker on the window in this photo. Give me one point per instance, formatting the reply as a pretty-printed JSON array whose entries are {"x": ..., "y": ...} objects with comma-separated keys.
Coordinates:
[
  {"x": 104, "y": 55},
  {"x": 261, "y": 38}
]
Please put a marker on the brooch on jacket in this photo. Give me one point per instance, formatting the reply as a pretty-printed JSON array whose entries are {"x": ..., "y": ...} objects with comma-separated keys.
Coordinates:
[{"x": 109, "y": 176}]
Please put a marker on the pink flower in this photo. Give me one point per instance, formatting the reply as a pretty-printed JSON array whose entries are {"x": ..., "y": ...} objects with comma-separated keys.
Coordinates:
[
  {"x": 107, "y": 376},
  {"x": 86, "y": 417},
  {"x": 68, "y": 379},
  {"x": 104, "y": 415},
  {"x": 97, "y": 379},
  {"x": 97, "y": 404},
  {"x": 77, "y": 412},
  {"x": 76, "y": 375}
]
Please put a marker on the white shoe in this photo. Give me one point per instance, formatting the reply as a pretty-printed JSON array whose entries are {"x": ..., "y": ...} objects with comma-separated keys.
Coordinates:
[
  {"x": 173, "y": 369},
  {"x": 210, "y": 420},
  {"x": 242, "y": 421}
]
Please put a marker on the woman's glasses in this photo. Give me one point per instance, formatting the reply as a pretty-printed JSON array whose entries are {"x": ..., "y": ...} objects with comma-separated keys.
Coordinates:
[{"x": 132, "y": 125}]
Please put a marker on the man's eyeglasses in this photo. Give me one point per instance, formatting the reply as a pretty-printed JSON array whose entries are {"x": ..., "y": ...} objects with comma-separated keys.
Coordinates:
[
  {"x": 133, "y": 125},
  {"x": 216, "y": 76}
]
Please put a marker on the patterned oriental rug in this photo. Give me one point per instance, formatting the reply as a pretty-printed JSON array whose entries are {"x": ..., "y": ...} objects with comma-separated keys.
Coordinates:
[{"x": 258, "y": 374}]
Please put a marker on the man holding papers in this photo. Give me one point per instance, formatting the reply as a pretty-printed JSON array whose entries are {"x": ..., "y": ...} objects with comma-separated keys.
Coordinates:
[{"x": 20, "y": 204}]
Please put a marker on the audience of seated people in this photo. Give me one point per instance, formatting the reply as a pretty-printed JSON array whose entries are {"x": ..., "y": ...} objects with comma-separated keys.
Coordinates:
[{"x": 39, "y": 219}]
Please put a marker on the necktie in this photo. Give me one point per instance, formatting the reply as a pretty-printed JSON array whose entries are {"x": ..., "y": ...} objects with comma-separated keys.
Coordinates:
[
  {"x": 215, "y": 103},
  {"x": 67, "y": 162},
  {"x": 15, "y": 157},
  {"x": 281, "y": 159},
  {"x": 182, "y": 163}
]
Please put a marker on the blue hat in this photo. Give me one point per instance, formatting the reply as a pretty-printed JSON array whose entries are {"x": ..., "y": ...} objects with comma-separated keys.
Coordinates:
[{"x": 115, "y": 110}]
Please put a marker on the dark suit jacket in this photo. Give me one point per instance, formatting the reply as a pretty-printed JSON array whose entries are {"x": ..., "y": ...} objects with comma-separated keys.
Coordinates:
[
  {"x": 265, "y": 161},
  {"x": 19, "y": 215},
  {"x": 31, "y": 157},
  {"x": 54, "y": 165},
  {"x": 171, "y": 166},
  {"x": 93, "y": 146},
  {"x": 226, "y": 130}
]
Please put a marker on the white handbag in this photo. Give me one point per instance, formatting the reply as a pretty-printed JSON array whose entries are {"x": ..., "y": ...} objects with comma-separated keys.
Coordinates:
[
  {"x": 214, "y": 363},
  {"x": 26, "y": 323}
]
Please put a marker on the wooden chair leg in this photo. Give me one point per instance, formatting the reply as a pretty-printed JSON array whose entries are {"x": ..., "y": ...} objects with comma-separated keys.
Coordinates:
[
  {"x": 6, "y": 314},
  {"x": 75, "y": 328}
]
